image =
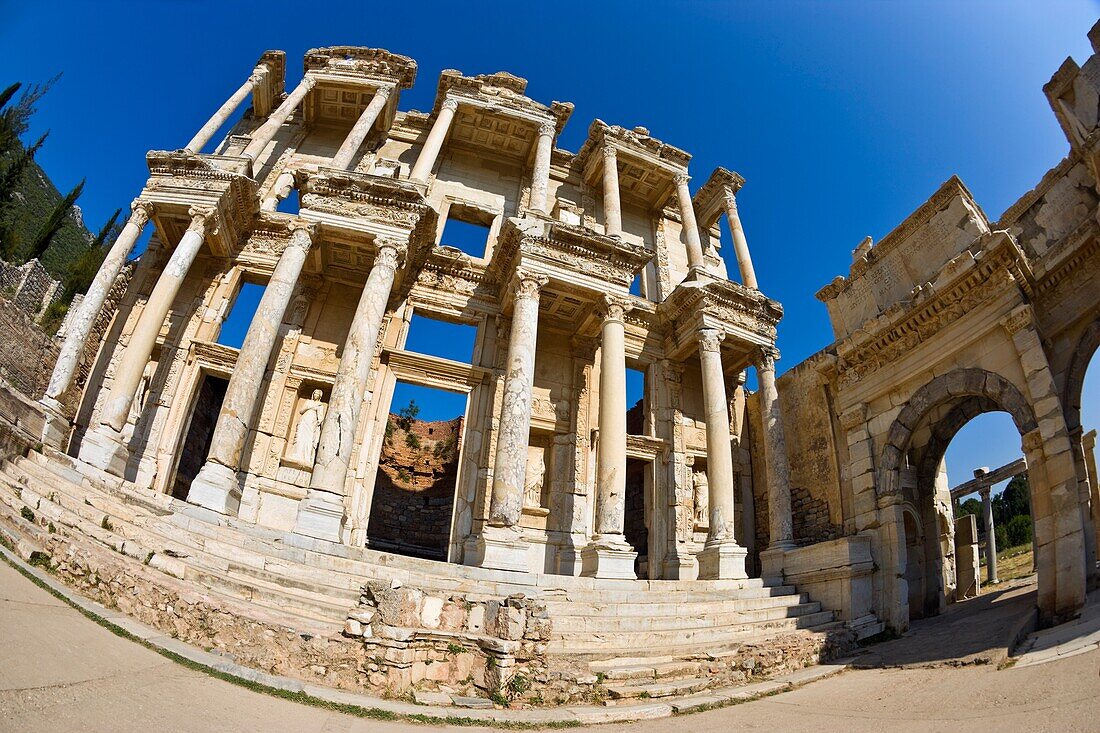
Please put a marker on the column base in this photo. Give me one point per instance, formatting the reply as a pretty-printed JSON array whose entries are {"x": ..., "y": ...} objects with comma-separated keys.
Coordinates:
[
  {"x": 216, "y": 488},
  {"x": 55, "y": 426},
  {"x": 501, "y": 548},
  {"x": 681, "y": 566},
  {"x": 723, "y": 561},
  {"x": 103, "y": 448},
  {"x": 771, "y": 565},
  {"x": 321, "y": 517},
  {"x": 609, "y": 557}
]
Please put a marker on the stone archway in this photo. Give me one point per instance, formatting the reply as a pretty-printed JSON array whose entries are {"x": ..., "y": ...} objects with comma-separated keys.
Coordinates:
[
  {"x": 917, "y": 440},
  {"x": 1075, "y": 374}
]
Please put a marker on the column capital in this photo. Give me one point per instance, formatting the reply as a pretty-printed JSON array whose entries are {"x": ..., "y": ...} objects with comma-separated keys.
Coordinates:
[
  {"x": 384, "y": 90},
  {"x": 529, "y": 284},
  {"x": 200, "y": 216},
  {"x": 710, "y": 339},
  {"x": 308, "y": 81},
  {"x": 730, "y": 199},
  {"x": 450, "y": 103},
  {"x": 391, "y": 252},
  {"x": 681, "y": 179},
  {"x": 302, "y": 233},
  {"x": 614, "y": 307},
  {"x": 609, "y": 152},
  {"x": 765, "y": 358},
  {"x": 547, "y": 129},
  {"x": 141, "y": 211}
]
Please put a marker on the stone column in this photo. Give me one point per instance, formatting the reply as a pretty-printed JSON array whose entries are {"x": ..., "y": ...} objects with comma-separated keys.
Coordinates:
[
  {"x": 990, "y": 535},
  {"x": 434, "y": 143},
  {"x": 687, "y": 217},
  {"x": 80, "y": 325},
  {"x": 609, "y": 555},
  {"x": 266, "y": 132},
  {"x": 202, "y": 137},
  {"x": 721, "y": 557},
  {"x": 740, "y": 245},
  {"x": 362, "y": 127},
  {"x": 780, "y": 526},
  {"x": 612, "y": 209},
  {"x": 501, "y": 544},
  {"x": 216, "y": 485},
  {"x": 540, "y": 177},
  {"x": 282, "y": 187},
  {"x": 321, "y": 513},
  {"x": 102, "y": 445}
]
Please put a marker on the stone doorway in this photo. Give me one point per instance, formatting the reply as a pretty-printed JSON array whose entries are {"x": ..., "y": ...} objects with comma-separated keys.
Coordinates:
[
  {"x": 636, "y": 520},
  {"x": 200, "y": 430}
]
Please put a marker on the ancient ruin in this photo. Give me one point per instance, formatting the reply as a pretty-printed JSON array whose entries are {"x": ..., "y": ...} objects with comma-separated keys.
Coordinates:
[{"x": 552, "y": 530}]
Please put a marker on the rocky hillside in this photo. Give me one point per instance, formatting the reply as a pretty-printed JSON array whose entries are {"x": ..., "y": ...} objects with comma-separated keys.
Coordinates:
[{"x": 36, "y": 198}]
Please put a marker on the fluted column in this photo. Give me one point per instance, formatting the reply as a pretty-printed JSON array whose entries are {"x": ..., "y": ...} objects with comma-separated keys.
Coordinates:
[
  {"x": 780, "y": 526},
  {"x": 609, "y": 555},
  {"x": 321, "y": 513},
  {"x": 687, "y": 217},
  {"x": 990, "y": 535},
  {"x": 540, "y": 176},
  {"x": 740, "y": 244},
  {"x": 282, "y": 187},
  {"x": 500, "y": 543},
  {"x": 612, "y": 209},
  {"x": 362, "y": 127},
  {"x": 81, "y": 322},
  {"x": 216, "y": 485},
  {"x": 266, "y": 132},
  {"x": 202, "y": 137},
  {"x": 434, "y": 143},
  {"x": 721, "y": 557}
]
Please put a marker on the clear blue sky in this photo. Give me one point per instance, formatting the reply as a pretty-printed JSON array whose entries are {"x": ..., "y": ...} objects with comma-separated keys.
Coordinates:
[{"x": 843, "y": 116}]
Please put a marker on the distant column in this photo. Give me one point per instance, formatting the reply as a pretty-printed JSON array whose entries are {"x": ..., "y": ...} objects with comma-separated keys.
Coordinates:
[
  {"x": 81, "y": 322},
  {"x": 202, "y": 137},
  {"x": 780, "y": 523},
  {"x": 740, "y": 244},
  {"x": 266, "y": 132},
  {"x": 434, "y": 143},
  {"x": 612, "y": 209},
  {"x": 687, "y": 217},
  {"x": 362, "y": 127},
  {"x": 216, "y": 486},
  {"x": 540, "y": 176},
  {"x": 321, "y": 513},
  {"x": 990, "y": 535}
]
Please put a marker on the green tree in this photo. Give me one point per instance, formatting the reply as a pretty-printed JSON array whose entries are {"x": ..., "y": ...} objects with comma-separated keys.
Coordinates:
[
  {"x": 15, "y": 118},
  {"x": 1018, "y": 531},
  {"x": 11, "y": 179},
  {"x": 1013, "y": 501},
  {"x": 407, "y": 414},
  {"x": 83, "y": 271},
  {"x": 53, "y": 223}
]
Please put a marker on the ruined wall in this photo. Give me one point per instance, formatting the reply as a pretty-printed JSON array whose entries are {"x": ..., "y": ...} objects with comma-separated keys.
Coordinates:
[{"x": 27, "y": 355}]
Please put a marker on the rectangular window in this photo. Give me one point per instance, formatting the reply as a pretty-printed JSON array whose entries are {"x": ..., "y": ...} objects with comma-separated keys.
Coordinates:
[
  {"x": 454, "y": 341},
  {"x": 240, "y": 315},
  {"x": 467, "y": 229}
]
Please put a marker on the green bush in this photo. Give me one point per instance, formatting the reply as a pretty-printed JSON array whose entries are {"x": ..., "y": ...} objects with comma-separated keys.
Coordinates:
[
  {"x": 1019, "y": 530},
  {"x": 412, "y": 440},
  {"x": 1001, "y": 535}
]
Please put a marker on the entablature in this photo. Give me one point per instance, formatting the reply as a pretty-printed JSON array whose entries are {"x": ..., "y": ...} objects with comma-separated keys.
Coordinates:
[
  {"x": 714, "y": 197},
  {"x": 647, "y": 167}
]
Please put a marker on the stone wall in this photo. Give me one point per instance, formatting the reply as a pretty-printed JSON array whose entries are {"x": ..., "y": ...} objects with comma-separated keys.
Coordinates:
[
  {"x": 27, "y": 355},
  {"x": 29, "y": 287}
]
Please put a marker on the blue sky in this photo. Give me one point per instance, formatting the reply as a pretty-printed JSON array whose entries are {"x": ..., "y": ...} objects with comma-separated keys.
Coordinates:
[{"x": 843, "y": 117}]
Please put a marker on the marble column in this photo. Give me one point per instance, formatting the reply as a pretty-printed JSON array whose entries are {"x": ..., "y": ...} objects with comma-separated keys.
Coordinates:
[
  {"x": 362, "y": 127},
  {"x": 321, "y": 514},
  {"x": 612, "y": 209},
  {"x": 540, "y": 176},
  {"x": 780, "y": 526},
  {"x": 609, "y": 555},
  {"x": 279, "y": 190},
  {"x": 101, "y": 446},
  {"x": 687, "y": 218},
  {"x": 202, "y": 137},
  {"x": 740, "y": 245},
  {"x": 216, "y": 485},
  {"x": 434, "y": 143},
  {"x": 501, "y": 544},
  {"x": 266, "y": 132},
  {"x": 721, "y": 557},
  {"x": 990, "y": 536},
  {"x": 82, "y": 321}
]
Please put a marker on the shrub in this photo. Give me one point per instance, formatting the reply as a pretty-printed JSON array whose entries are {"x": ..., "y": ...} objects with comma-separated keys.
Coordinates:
[
  {"x": 412, "y": 440},
  {"x": 27, "y": 514},
  {"x": 1019, "y": 530},
  {"x": 1001, "y": 535}
]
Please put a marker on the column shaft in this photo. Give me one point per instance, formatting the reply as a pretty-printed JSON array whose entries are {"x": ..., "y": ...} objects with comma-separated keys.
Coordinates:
[
  {"x": 510, "y": 466},
  {"x": 202, "y": 137},
  {"x": 362, "y": 128},
  {"x": 612, "y": 209},
  {"x": 215, "y": 487},
  {"x": 990, "y": 537},
  {"x": 611, "y": 483},
  {"x": 266, "y": 132},
  {"x": 81, "y": 323},
  {"x": 740, "y": 245},
  {"x": 540, "y": 176},
  {"x": 322, "y": 511},
  {"x": 687, "y": 217},
  {"x": 780, "y": 525},
  {"x": 720, "y": 477},
  {"x": 434, "y": 143},
  {"x": 138, "y": 350}
]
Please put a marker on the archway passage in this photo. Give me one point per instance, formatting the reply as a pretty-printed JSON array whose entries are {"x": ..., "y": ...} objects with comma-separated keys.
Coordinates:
[
  {"x": 910, "y": 478},
  {"x": 200, "y": 431}
]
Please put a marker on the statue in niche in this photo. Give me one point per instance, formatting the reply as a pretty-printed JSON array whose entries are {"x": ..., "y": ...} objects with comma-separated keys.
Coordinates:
[
  {"x": 701, "y": 496},
  {"x": 535, "y": 477},
  {"x": 141, "y": 394},
  {"x": 307, "y": 431}
]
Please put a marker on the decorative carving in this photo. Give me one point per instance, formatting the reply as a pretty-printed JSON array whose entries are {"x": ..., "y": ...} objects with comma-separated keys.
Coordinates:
[
  {"x": 529, "y": 284},
  {"x": 546, "y": 129},
  {"x": 302, "y": 448},
  {"x": 710, "y": 339},
  {"x": 614, "y": 307},
  {"x": 450, "y": 103}
]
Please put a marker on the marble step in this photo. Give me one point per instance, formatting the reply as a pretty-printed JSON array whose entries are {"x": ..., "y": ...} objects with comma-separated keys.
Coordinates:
[
  {"x": 612, "y": 623},
  {"x": 686, "y": 608},
  {"x": 659, "y": 688},
  {"x": 646, "y": 669}
]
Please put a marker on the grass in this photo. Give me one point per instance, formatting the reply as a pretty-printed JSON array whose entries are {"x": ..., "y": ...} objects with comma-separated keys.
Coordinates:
[{"x": 1012, "y": 563}]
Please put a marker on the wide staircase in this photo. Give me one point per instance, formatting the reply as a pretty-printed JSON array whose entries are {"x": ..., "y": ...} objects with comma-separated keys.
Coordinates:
[{"x": 642, "y": 638}]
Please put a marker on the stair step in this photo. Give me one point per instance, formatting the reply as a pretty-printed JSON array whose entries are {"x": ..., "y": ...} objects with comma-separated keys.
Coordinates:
[{"x": 666, "y": 688}]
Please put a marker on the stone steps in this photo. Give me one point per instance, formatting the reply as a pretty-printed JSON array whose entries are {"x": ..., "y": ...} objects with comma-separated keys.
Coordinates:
[
  {"x": 660, "y": 688},
  {"x": 615, "y": 623},
  {"x": 742, "y": 602}
]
